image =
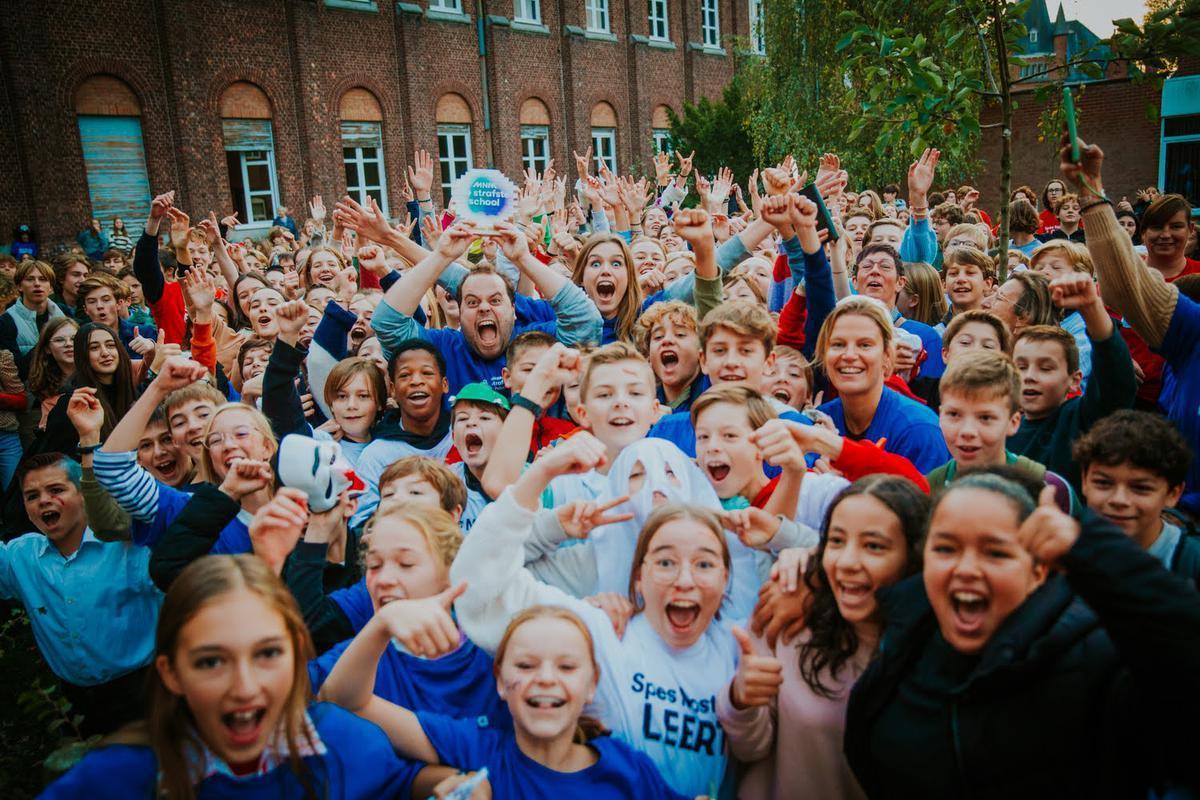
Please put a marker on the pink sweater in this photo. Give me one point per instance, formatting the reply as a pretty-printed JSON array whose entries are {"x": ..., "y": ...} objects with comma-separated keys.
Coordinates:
[{"x": 793, "y": 748}]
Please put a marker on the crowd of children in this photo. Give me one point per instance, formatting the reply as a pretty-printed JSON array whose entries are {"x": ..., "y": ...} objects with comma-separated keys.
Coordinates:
[{"x": 632, "y": 495}]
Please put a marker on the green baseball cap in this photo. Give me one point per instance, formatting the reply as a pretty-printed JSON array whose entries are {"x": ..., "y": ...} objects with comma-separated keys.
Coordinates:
[{"x": 482, "y": 393}]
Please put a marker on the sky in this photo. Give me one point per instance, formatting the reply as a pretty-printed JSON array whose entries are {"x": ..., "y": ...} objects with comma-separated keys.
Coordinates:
[{"x": 1098, "y": 14}]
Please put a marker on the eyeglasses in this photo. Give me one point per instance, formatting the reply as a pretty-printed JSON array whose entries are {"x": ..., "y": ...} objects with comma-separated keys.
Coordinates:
[
  {"x": 61, "y": 340},
  {"x": 665, "y": 570},
  {"x": 962, "y": 243},
  {"x": 240, "y": 435}
]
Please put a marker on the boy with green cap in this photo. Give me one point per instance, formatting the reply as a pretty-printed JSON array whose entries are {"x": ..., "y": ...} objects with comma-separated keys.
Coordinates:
[{"x": 477, "y": 414}]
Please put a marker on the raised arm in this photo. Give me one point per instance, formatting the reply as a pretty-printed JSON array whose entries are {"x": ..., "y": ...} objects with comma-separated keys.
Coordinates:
[
  {"x": 145, "y": 253},
  {"x": 425, "y": 628}
]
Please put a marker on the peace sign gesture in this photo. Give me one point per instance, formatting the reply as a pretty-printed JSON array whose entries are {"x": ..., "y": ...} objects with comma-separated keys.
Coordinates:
[{"x": 581, "y": 517}]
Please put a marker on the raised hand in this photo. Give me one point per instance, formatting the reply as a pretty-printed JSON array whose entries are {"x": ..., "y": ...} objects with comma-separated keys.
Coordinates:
[
  {"x": 779, "y": 613},
  {"x": 580, "y": 453},
  {"x": 593, "y": 192},
  {"x": 512, "y": 242},
  {"x": 278, "y": 526},
  {"x": 758, "y": 677},
  {"x": 370, "y": 258},
  {"x": 777, "y": 211},
  {"x": 163, "y": 350},
  {"x": 180, "y": 225},
  {"x": 420, "y": 175},
  {"x": 246, "y": 476},
  {"x": 290, "y": 288},
  {"x": 753, "y": 526},
  {"x": 557, "y": 367},
  {"x": 651, "y": 281},
  {"x": 406, "y": 191},
  {"x": 721, "y": 186},
  {"x": 662, "y": 168},
  {"x": 366, "y": 221},
  {"x": 1074, "y": 291},
  {"x": 230, "y": 221},
  {"x": 140, "y": 344},
  {"x": 201, "y": 291},
  {"x": 1085, "y": 176},
  {"x": 616, "y": 606},
  {"x": 694, "y": 225},
  {"x": 86, "y": 414},
  {"x": 424, "y": 627},
  {"x": 830, "y": 162},
  {"x": 756, "y": 200},
  {"x": 920, "y": 176},
  {"x": 1047, "y": 534},
  {"x": 583, "y": 162},
  {"x": 316, "y": 208},
  {"x": 291, "y": 318},
  {"x": 778, "y": 447},
  {"x": 455, "y": 240},
  {"x": 802, "y": 213},
  {"x": 161, "y": 204},
  {"x": 832, "y": 184},
  {"x": 581, "y": 517},
  {"x": 685, "y": 163},
  {"x": 431, "y": 228},
  {"x": 176, "y": 373},
  {"x": 776, "y": 181}
]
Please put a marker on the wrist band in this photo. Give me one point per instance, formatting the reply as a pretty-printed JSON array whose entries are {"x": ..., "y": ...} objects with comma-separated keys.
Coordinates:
[
  {"x": 520, "y": 401},
  {"x": 426, "y": 200},
  {"x": 86, "y": 449},
  {"x": 918, "y": 209},
  {"x": 1100, "y": 201}
]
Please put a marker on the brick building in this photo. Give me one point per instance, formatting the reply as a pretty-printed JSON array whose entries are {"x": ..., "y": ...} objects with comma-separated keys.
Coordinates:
[{"x": 248, "y": 103}]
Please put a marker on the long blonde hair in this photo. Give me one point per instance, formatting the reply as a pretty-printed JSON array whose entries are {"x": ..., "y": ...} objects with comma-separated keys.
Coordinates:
[
  {"x": 259, "y": 422},
  {"x": 631, "y": 301}
]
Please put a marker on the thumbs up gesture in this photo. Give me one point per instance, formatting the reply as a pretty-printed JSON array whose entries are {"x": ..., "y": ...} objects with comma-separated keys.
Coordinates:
[
  {"x": 1048, "y": 533},
  {"x": 758, "y": 677},
  {"x": 424, "y": 626},
  {"x": 140, "y": 344}
]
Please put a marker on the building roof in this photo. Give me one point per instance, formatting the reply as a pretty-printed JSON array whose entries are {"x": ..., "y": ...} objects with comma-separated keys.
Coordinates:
[{"x": 1039, "y": 40}]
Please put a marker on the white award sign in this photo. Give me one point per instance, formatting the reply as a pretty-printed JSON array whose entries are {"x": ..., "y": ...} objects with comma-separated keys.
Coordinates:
[{"x": 484, "y": 197}]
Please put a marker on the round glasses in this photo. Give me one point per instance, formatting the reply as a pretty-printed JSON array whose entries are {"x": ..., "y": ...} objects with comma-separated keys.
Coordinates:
[
  {"x": 240, "y": 435},
  {"x": 666, "y": 569}
]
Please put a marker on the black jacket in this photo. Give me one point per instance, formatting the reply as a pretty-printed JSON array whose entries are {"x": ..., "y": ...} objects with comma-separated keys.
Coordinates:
[
  {"x": 1091, "y": 688},
  {"x": 192, "y": 534}
]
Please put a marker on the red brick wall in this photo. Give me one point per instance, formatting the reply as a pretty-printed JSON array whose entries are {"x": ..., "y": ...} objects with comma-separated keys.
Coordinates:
[
  {"x": 179, "y": 55},
  {"x": 1113, "y": 115}
]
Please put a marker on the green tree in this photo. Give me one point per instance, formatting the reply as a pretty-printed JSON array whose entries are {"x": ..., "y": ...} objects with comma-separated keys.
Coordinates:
[
  {"x": 938, "y": 76},
  {"x": 806, "y": 98},
  {"x": 717, "y": 131}
]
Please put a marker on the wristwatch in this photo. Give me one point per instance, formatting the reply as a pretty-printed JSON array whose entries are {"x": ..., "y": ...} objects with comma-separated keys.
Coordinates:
[{"x": 524, "y": 402}]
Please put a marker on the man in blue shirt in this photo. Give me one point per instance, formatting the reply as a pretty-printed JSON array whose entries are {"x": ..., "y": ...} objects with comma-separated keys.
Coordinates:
[
  {"x": 487, "y": 303},
  {"x": 92, "y": 605}
]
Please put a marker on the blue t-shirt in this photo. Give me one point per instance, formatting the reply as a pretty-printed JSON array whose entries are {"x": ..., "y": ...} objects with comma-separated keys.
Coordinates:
[
  {"x": 355, "y": 603},
  {"x": 911, "y": 429},
  {"x": 233, "y": 539},
  {"x": 1181, "y": 388},
  {"x": 460, "y": 684},
  {"x": 933, "y": 366},
  {"x": 620, "y": 773},
  {"x": 359, "y": 764}
]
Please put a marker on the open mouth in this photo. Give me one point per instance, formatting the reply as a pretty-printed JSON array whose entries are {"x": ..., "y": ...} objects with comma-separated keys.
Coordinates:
[
  {"x": 264, "y": 320},
  {"x": 850, "y": 371},
  {"x": 968, "y": 451},
  {"x": 473, "y": 443},
  {"x": 731, "y": 376},
  {"x": 542, "y": 701},
  {"x": 717, "y": 471},
  {"x": 488, "y": 331},
  {"x": 669, "y": 358},
  {"x": 782, "y": 395},
  {"x": 418, "y": 398},
  {"x": 853, "y": 593},
  {"x": 606, "y": 290},
  {"x": 970, "y": 609},
  {"x": 620, "y": 422},
  {"x": 1030, "y": 394},
  {"x": 682, "y": 614},
  {"x": 167, "y": 468},
  {"x": 242, "y": 727},
  {"x": 50, "y": 518}
]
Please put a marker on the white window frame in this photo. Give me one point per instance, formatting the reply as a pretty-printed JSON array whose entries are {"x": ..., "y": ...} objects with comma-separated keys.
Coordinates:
[
  {"x": 661, "y": 139},
  {"x": 450, "y": 166},
  {"x": 1033, "y": 36},
  {"x": 1164, "y": 143},
  {"x": 535, "y": 147},
  {"x": 599, "y": 18},
  {"x": 602, "y": 136},
  {"x": 528, "y": 11},
  {"x": 359, "y": 189},
  {"x": 657, "y": 19},
  {"x": 247, "y": 194},
  {"x": 758, "y": 36},
  {"x": 710, "y": 23},
  {"x": 446, "y": 6}
]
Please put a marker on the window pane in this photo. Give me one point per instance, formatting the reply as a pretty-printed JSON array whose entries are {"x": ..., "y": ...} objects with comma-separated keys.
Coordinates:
[
  {"x": 377, "y": 194},
  {"x": 258, "y": 177},
  {"x": 259, "y": 206},
  {"x": 1180, "y": 172},
  {"x": 256, "y": 155},
  {"x": 348, "y": 153},
  {"x": 351, "y": 175},
  {"x": 371, "y": 173}
]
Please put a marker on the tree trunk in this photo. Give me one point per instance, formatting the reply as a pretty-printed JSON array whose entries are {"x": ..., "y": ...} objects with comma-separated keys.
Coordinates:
[{"x": 1005, "y": 134}]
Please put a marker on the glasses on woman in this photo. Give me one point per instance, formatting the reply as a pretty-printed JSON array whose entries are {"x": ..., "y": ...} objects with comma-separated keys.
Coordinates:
[
  {"x": 240, "y": 435},
  {"x": 666, "y": 569},
  {"x": 61, "y": 340}
]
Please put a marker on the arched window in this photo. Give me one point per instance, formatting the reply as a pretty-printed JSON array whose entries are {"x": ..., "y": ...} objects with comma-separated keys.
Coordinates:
[
  {"x": 114, "y": 158},
  {"x": 362, "y": 146},
  {"x": 660, "y": 130},
  {"x": 604, "y": 136},
  {"x": 250, "y": 152},
  {"x": 535, "y": 134},
  {"x": 453, "y": 117}
]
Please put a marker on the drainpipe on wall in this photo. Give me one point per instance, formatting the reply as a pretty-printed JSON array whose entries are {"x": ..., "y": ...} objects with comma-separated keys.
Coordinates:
[{"x": 483, "y": 82}]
